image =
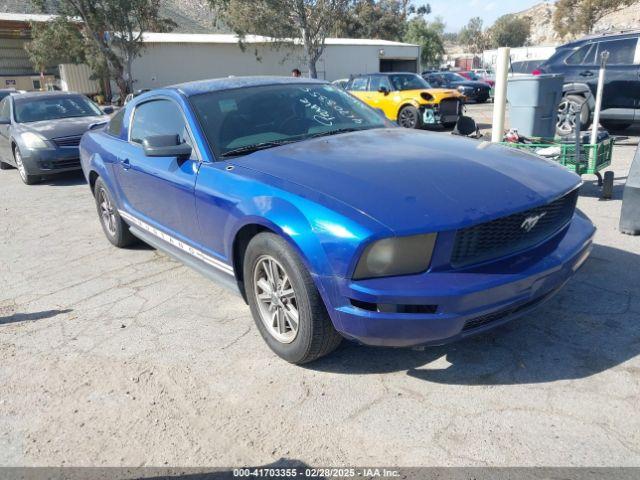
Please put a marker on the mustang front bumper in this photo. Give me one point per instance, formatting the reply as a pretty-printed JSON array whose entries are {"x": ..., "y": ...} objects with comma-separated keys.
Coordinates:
[{"x": 455, "y": 304}]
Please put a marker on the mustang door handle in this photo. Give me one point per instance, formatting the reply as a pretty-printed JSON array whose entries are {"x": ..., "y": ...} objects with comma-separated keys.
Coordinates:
[
  {"x": 586, "y": 73},
  {"x": 126, "y": 164}
]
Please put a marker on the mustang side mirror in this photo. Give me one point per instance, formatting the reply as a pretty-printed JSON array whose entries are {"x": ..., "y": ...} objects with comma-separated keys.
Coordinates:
[
  {"x": 108, "y": 110},
  {"x": 384, "y": 90},
  {"x": 166, "y": 146}
]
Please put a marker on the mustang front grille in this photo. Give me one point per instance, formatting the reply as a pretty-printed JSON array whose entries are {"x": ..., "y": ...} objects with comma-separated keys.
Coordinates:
[{"x": 509, "y": 235}]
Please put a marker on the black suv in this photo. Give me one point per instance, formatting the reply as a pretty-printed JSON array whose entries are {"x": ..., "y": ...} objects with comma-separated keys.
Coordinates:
[{"x": 579, "y": 62}]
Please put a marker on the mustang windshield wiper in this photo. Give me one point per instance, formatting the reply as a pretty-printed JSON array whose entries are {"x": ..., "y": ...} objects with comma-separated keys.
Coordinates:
[
  {"x": 258, "y": 146},
  {"x": 337, "y": 131},
  {"x": 264, "y": 145}
]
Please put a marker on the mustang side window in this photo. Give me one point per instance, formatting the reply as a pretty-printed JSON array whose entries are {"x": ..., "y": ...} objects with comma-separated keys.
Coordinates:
[
  {"x": 115, "y": 124},
  {"x": 158, "y": 117},
  {"x": 5, "y": 109}
]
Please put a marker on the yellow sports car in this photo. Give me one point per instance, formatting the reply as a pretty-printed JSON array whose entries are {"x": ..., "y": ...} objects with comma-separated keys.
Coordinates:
[{"x": 408, "y": 99}]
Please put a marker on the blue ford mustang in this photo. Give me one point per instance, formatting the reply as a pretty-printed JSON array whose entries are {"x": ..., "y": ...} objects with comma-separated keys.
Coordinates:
[{"x": 329, "y": 221}]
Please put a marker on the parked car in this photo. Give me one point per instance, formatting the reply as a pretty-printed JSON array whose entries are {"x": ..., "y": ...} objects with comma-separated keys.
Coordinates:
[
  {"x": 5, "y": 92},
  {"x": 408, "y": 99},
  {"x": 476, "y": 78},
  {"x": 342, "y": 83},
  {"x": 524, "y": 67},
  {"x": 329, "y": 220},
  {"x": 579, "y": 62},
  {"x": 473, "y": 90},
  {"x": 40, "y": 132}
]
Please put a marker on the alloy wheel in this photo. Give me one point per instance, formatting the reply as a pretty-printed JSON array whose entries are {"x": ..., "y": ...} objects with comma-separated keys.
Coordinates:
[
  {"x": 21, "y": 170},
  {"x": 407, "y": 119},
  {"x": 568, "y": 111},
  {"x": 276, "y": 299},
  {"x": 107, "y": 212}
]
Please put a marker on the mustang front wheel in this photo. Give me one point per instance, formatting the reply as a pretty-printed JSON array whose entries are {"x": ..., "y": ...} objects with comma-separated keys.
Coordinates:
[{"x": 285, "y": 303}]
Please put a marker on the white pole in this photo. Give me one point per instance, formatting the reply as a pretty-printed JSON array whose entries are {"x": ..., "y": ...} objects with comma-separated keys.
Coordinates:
[
  {"x": 596, "y": 112},
  {"x": 500, "y": 94}
]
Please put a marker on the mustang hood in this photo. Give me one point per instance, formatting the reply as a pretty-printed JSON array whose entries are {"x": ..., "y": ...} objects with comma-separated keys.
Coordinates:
[
  {"x": 64, "y": 127},
  {"x": 410, "y": 180}
]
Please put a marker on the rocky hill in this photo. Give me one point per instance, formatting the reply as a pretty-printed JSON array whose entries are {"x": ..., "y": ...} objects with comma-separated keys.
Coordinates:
[
  {"x": 192, "y": 16},
  {"x": 542, "y": 32}
]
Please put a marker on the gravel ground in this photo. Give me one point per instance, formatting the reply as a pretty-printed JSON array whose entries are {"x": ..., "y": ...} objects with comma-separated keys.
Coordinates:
[{"x": 126, "y": 358}]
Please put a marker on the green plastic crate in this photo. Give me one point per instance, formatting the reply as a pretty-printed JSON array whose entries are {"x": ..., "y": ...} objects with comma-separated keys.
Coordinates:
[{"x": 592, "y": 159}]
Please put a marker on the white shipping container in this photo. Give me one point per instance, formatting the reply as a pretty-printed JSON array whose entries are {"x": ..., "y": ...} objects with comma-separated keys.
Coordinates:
[{"x": 77, "y": 78}]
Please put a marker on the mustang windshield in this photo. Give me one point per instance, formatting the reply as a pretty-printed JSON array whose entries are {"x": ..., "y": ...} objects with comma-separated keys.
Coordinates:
[
  {"x": 51, "y": 108},
  {"x": 408, "y": 81},
  {"x": 241, "y": 121}
]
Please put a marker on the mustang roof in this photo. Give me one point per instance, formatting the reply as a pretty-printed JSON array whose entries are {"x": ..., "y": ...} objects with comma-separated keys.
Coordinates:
[{"x": 218, "y": 84}]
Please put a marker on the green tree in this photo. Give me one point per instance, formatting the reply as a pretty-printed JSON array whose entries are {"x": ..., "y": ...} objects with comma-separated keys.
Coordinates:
[
  {"x": 576, "y": 17},
  {"x": 53, "y": 43},
  {"x": 383, "y": 19},
  {"x": 429, "y": 35},
  {"x": 510, "y": 31},
  {"x": 111, "y": 31},
  {"x": 473, "y": 37},
  {"x": 311, "y": 21}
]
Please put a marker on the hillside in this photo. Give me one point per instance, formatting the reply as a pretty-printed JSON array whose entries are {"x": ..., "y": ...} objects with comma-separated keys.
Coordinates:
[
  {"x": 542, "y": 32},
  {"x": 192, "y": 16}
]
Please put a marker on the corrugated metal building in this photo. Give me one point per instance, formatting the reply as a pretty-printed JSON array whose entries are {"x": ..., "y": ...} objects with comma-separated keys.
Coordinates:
[{"x": 173, "y": 58}]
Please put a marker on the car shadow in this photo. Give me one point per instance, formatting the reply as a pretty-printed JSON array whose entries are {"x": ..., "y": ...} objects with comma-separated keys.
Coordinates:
[
  {"x": 31, "y": 317},
  {"x": 589, "y": 327},
  {"x": 64, "y": 179}
]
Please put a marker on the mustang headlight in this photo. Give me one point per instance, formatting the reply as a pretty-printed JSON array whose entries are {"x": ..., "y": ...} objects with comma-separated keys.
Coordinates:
[
  {"x": 396, "y": 256},
  {"x": 33, "y": 141}
]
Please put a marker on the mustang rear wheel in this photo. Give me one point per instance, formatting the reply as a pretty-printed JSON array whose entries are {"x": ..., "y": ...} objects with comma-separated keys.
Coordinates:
[
  {"x": 409, "y": 117},
  {"x": 285, "y": 303},
  {"x": 116, "y": 230}
]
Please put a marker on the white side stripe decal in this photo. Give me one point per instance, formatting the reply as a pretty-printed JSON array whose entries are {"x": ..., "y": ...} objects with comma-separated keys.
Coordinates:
[{"x": 177, "y": 243}]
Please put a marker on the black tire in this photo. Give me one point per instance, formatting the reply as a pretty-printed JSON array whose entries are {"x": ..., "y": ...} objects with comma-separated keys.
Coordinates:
[
  {"x": 409, "y": 117},
  {"x": 116, "y": 231},
  {"x": 569, "y": 108},
  {"x": 315, "y": 335},
  {"x": 615, "y": 126},
  {"x": 25, "y": 176},
  {"x": 449, "y": 125},
  {"x": 4, "y": 166}
]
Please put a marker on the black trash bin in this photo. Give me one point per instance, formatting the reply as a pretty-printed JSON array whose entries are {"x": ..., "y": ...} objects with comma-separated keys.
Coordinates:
[{"x": 630, "y": 216}]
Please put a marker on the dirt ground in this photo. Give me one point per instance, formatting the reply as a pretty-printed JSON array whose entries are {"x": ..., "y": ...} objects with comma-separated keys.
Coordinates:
[{"x": 126, "y": 358}]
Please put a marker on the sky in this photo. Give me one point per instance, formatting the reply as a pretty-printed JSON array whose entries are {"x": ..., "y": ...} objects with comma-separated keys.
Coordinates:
[{"x": 456, "y": 13}]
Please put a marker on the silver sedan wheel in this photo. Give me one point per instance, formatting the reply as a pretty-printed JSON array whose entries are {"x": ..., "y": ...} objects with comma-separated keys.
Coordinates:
[
  {"x": 276, "y": 298},
  {"x": 20, "y": 165},
  {"x": 107, "y": 213}
]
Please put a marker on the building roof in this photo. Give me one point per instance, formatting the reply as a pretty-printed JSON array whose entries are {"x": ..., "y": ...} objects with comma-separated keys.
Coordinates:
[
  {"x": 26, "y": 17},
  {"x": 154, "y": 37},
  {"x": 218, "y": 84}
]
